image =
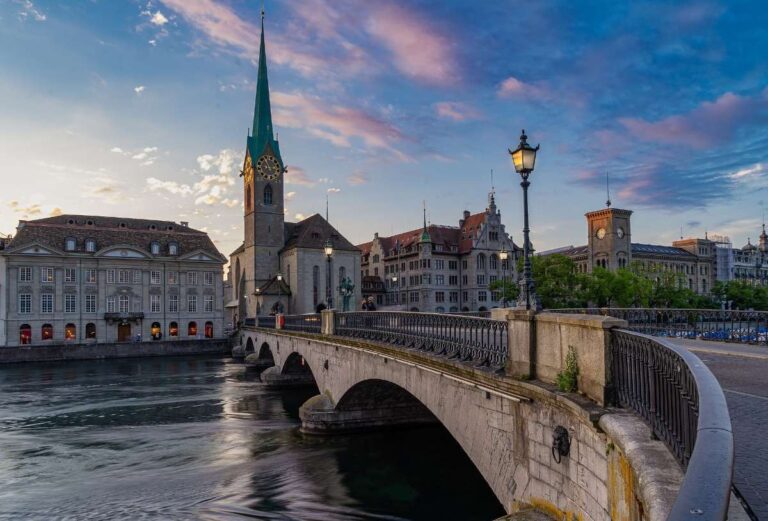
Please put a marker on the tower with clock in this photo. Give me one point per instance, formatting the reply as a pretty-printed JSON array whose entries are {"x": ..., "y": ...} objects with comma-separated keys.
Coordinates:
[{"x": 610, "y": 238}]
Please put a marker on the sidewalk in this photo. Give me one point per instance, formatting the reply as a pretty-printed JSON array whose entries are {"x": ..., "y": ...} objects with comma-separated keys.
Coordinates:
[{"x": 723, "y": 348}]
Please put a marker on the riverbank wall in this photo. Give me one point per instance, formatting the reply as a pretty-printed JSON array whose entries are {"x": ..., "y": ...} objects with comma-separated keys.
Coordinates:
[{"x": 56, "y": 352}]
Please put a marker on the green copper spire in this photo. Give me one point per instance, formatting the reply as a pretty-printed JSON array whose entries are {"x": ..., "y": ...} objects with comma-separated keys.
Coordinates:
[
  {"x": 425, "y": 237},
  {"x": 263, "y": 135}
]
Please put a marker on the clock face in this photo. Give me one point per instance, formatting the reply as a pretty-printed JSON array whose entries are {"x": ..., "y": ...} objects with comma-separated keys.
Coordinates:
[
  {"x": 269, "y": 167},
  {"x": 620, "y": 233},
  {"x": 600, "y": 233}
]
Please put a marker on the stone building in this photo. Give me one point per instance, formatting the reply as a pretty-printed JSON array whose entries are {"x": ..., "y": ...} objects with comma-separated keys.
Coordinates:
[
  {"x": 281, "y": 267},
  {"x": 748, "y": 264},
  {"x": 77, "y": 278},
  {"x": 441, "y": 268}
]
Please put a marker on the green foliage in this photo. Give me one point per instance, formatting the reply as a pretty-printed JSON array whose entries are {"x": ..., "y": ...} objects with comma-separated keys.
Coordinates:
[
  {"x": 741, "y": 294},
  {"x": 567, "y": 379},
  {"x": 508, "y": 290}
]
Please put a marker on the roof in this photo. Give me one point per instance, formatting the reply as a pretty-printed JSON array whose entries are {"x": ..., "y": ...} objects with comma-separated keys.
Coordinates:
[
  {"x": 112, "y": 231},
  {"x": 569, "y": 251},
  {"x": 656, "y": 249},
  {"x": 274, "y": 287},
  {"x": 312, "y": 233}
]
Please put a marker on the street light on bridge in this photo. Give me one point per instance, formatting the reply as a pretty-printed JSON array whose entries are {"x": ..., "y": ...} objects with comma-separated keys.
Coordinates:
[
  {"x": 328, "y": 248},
  {"x": 524, "y": 160},
  {"x": 503, "y": 256}
]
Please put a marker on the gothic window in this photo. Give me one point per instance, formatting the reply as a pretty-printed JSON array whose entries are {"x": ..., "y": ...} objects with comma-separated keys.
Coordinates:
[
  {"x": 247, "y": 198},
  {"x": 494, "y": 262},
  {"x": 480, "y": 261},
  {"x": 268, "y": 195}
]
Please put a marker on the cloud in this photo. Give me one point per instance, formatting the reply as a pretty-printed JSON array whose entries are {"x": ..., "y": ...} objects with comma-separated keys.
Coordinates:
[
  {"x": 289, "y": 196},
  {"x": 26, "y": 212},
  {"x": 297, "y": 176},
  {"x": 55, "y": 212},
  {"x": 334, "y": 190},
  {"x": 117, "y": 150},
  {"x": 512, "y": 87},
  {"x": 172, "y": 187},
  {"x": 299, "y": 216},
  {"x": 139, "y": 89},
  {"x": 357, "y": 178},
  {"x": 709, "y": 124},
  {"x": 158, "y": 19},
  {"x": 29, "y": 11},
  {"x": 455, "y": 111},
  {"x": 419, "y": 50},
  {"x": 750, "y": 173}
]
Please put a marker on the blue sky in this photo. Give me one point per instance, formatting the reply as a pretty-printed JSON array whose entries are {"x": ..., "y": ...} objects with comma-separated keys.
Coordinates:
[{"x": 141, "y": 109}]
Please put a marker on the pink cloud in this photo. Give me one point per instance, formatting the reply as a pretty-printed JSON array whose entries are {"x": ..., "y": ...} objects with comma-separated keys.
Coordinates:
[
  {"x": 708, "y": 124},
  {"x": 357, "y": 178},
  {"x": 419, "y": 50},
  {"x": 455, "y": 110},
  {"x": 297, "y": 176},
  {"x": 512, "y": 87}
]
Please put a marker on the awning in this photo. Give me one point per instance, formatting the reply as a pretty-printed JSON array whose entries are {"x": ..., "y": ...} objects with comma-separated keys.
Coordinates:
[{"x": 232, "y": 304}]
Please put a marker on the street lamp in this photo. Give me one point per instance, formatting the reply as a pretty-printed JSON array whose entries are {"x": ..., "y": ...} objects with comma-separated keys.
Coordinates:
[
  {"x": 328, "y": 248},
  {"x": 503, "y": 256},
  {"x": 524, "y": 160},
  {"x": 279, "y": 292}
]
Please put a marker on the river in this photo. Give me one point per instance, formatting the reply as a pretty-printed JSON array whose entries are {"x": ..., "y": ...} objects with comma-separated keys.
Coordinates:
[{"x": 201, "y": 438}]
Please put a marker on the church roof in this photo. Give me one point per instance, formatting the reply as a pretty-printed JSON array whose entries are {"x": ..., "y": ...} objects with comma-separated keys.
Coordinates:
[
  {"x": 274, "y": 287},
  {"x": 112, "y": 231},
  {"x": 312, "y": 233}
]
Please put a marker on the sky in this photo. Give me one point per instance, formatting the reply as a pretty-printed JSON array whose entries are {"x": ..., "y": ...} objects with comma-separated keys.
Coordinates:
[{"x": 141, "y": 109}]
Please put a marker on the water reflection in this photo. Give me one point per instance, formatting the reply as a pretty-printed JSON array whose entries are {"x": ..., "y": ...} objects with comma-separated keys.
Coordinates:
[{"x": 199, "y": 438}]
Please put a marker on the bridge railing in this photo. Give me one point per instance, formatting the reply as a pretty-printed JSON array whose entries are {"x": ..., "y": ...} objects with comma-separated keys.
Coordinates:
[
  {"x": 265, "y": 321},
  {"x": 479, "y": 341},
  {"x": 704, "y": 324},
  {"x": 683, "y": 403},
  {"x": 310, "y": 323}
]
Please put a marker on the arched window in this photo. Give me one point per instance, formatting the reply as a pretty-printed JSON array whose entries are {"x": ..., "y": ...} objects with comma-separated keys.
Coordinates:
[
  {"x": 46, "y": 332},
  {"x": 90, "y": 245},
  {"x": 173, "y": 249},
  {"x": 268, "y": 195},
  {"x": 480, "y": 261},
  {"x": 70, "y": 244},
  {"x": 248, "y": 197},
  {"x": 156, "y": 331},
  {"x": 25, "y": 334},
  {"x": 155, "y": 248},
  {"x": 494, "y": 262},
  {"x": 90, "y": 331},
  {"x": 315, "y": 284},
  {"x": 173, "y": 329},
  {"x": 70, "y": 332},
  {"x": 192, "y": 329},
  {"x": 209, "y": 330}
]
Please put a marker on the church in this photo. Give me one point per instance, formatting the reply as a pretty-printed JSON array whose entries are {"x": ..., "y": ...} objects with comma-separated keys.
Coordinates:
[{"x": 284, "y": 267}]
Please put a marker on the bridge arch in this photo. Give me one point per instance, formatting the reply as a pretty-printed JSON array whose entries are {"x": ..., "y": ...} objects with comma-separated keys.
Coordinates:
[
  {"x": 265, "y": 353},
  {"x": 249, "y": 346}
]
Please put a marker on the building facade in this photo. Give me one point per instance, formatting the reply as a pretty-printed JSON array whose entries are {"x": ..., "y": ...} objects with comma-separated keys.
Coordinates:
[
  {"x": 282, "y": 267},
  {"x": 441, "y": 268},
  {"x": 75, "y": 278}
]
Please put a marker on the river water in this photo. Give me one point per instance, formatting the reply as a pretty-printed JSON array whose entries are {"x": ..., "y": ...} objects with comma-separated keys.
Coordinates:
[{"x": 199, "y": 438}]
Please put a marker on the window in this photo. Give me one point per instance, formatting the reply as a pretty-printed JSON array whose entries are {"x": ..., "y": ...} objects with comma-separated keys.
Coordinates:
[
  {"x": 46, "y": 303},
  {"x": 173, "y": 277},
  {"x": 192, "y": 278},
  {"x": 110, "y": 276},
  {"x": 209, "y": 330},
  {"x": 90, "y": 331},
  {"x": 248, "y": 197},
  {"x": 481, "y": 280},
  {"x": 25, "y": 334},
  {"x": 123, "y": 302},
  {"x": 492, "y": 279},
  {"x": 453, "y": 296},
  {"x": 25, "y": 303},
  {"x": 482, "y": 296},
  {"x": 90, "y": 303},
  {"x": 375, "y": 259},
  {"x": 155, "y": 277},
  {"x": 414, "y": 296},
  {"x": 494, "y": 262},
  {"x": 173, "y": 304},
  {"x": 192, "y": 329},
  {"x": 155, "y": 330},
  {"x": 137, "y": 276},
  {"x": 173, "y": 329},
  {"x": 464, "y": 264},
  {"x": 70, "y": 332},
  {"x": 70, "y": 303},
  {"x": 46, "y": 274},
  {"x": 70, "y": 275},
  {"x": 154, "y": 248},
  {"x": 439, "y": 264},
  {"x": 268, "y": 195},
  {"x": 465, "y": 279},
  {"x": 110, "y": 304},
  {"x": 173, "y": 248},
  {"x": 123, "y": 276},
  {"x": 90, "y": 247},
  {"x": 90, "y": 276},
  {"x": 70, "y": 244},
  {"x": 208, "y": 277},
  {"x": 154, "y": 303},
  {"x": 465, "y": 296},
  {"x": 208, "y": 305},
  {"x": 192, "y": 303},
  {"x": 480, "y": 261},
  {"x": 46, "y": 332},
  {"x": 439, "y": 280},
  {"x": 426, "y": 279},
  {"x": 453, "y": 280},
  {"x": 439, "y": 296},
  {"x": 25, "y": 274}
]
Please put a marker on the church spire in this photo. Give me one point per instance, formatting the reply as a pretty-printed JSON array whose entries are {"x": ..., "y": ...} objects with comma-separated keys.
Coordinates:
[{"x": 262, "y": 113}]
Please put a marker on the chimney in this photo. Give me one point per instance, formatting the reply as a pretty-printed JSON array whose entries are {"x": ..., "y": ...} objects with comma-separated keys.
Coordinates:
[
  {"x": 375, "y": 235},
  {"x": 184, "y": 224},
  {"x": 466, "y": 214}
]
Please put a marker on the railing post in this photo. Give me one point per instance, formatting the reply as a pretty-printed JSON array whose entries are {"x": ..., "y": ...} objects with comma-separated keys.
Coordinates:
[
  {"x": 279, "y": 320},
  {"x": 327, "y": 322},
  {"x": 521, "y": 339}
]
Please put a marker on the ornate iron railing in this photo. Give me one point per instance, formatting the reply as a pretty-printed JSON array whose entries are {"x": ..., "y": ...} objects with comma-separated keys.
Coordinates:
[
  {"x": 479, "y": 341},
  {"x": 704, "y": 324},
  {"x": 249, "y": 322},
  {"x": 307, "y": 323},
  {"x": 266, "y": 321},
  {"x": 682, "y": 401}
]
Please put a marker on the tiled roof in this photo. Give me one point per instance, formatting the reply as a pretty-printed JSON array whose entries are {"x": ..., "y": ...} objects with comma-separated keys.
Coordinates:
[
  {"x": 469, "y": 231},
  {"x": 656, "y": 249},
  {"x": 112, "y": 231},
  {"x": 312, "y": 233}
]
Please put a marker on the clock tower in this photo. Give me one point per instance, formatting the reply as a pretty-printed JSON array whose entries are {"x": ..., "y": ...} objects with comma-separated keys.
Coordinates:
[
  {"x": 263, "y": 171},
  {"x": 609, "y": 238}
]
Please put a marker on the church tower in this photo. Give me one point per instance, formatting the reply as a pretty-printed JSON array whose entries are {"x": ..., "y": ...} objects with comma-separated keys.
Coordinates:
[
  {"x": 263, "y": 171},
  {"x": 610, "y": 238}
]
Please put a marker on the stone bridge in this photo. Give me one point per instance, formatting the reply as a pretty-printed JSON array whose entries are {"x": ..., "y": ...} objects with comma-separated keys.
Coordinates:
[{"x": 505, "y": 423}]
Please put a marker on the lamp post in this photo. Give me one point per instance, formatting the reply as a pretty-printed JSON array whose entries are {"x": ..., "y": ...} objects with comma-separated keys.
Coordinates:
[
  {"x": 524, "y": 160},
  {"x": 258, "y": 301},
  {"x": 279, "y": 292},
  {"x": 328, "y": 248},
  {"x": 503, "y": 256}
]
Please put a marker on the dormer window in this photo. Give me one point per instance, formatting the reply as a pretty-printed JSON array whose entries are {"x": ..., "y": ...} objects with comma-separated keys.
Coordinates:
[
  {"x": 69, "y": 244},
  {"x": 90, "y": 245},
  {"x": 155, "y": 248},
  {"x": 173, "y": 249}
]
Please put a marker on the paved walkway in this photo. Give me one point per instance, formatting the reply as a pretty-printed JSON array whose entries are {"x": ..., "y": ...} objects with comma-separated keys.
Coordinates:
[{"x": 742, "y": 371}]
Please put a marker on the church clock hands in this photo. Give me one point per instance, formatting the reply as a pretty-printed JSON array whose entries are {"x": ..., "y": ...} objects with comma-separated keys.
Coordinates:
[{"x": 269, "y": 167}]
